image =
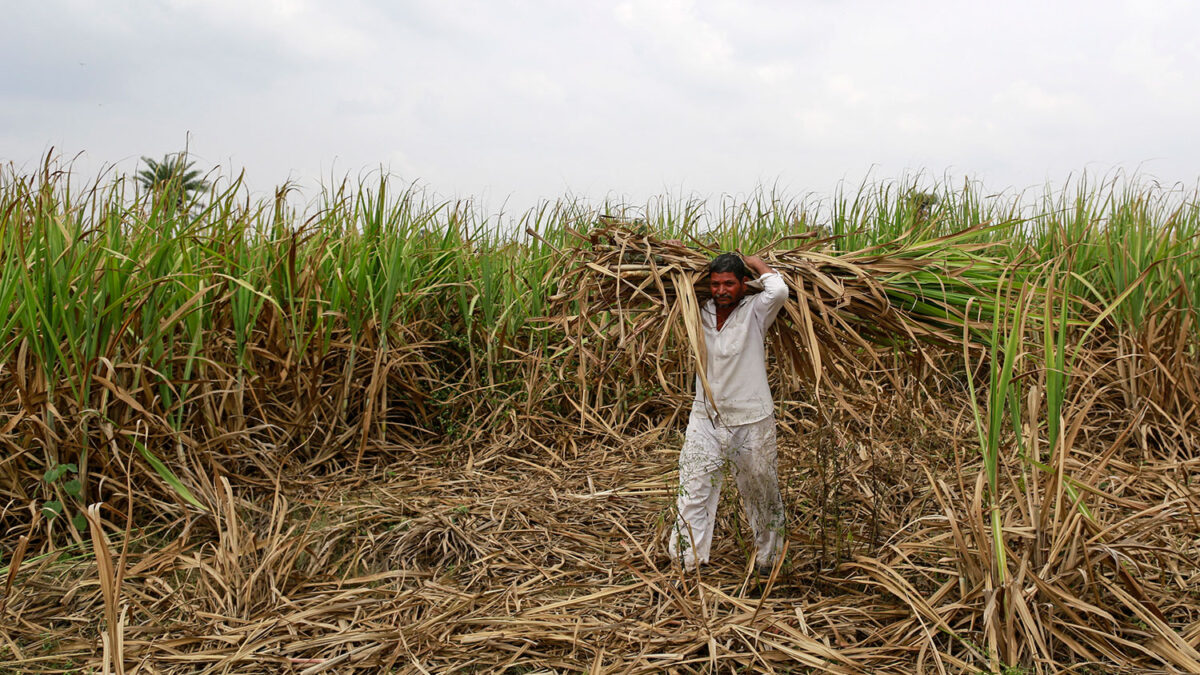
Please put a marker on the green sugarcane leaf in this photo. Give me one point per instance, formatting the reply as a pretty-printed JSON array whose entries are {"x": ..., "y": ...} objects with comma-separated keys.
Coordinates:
[{"x": 169, "y": 476}]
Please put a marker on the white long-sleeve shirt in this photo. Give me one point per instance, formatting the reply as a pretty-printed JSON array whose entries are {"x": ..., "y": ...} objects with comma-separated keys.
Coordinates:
[{"x": 737, "y": 358}]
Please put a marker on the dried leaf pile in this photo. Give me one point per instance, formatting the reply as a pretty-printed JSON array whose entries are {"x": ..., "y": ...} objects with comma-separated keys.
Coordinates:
[
  {"x": 506, "y": 558},
  {"x": 843, "y": 310}
]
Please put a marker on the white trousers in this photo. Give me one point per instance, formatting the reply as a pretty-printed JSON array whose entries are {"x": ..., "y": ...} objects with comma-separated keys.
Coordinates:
[{"x": 707, "y": 450}]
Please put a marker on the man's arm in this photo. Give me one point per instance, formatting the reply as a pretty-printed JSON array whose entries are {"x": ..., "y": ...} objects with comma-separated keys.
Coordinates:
[
  {"x": 757, "y": 265},
  {"x": 775, "y": 290}
]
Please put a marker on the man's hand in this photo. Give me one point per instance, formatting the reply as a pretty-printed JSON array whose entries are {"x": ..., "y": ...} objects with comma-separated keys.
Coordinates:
[{"x": 756, "y": 264}]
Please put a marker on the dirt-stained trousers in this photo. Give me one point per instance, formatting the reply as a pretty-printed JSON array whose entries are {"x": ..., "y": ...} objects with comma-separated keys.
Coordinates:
[{"x": 750, "y": 451}]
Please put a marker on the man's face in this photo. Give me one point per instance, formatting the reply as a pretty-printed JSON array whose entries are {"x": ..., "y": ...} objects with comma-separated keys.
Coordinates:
[{"x": 727, "y": 289}]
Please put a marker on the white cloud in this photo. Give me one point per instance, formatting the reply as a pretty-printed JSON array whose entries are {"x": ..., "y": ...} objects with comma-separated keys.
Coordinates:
[
  {"x": 1028, "y": 100},
  {"x": 673, "y": 28}
]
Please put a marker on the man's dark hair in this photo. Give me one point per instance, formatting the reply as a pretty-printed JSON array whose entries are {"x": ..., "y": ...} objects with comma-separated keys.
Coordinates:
[{"x": 729, "y": 262}]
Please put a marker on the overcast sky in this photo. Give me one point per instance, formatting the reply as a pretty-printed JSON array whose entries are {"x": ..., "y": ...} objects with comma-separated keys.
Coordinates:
[{"x": 514, "y": 101}]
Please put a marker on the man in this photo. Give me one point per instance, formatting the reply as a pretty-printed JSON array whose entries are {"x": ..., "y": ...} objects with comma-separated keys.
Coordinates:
[{"x": 740, "y": 428}]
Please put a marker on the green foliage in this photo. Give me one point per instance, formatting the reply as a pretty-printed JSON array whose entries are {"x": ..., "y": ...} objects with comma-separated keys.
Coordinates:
[
  {"x": 1003, "y": 399},
  {"x": 63, "y": 478}
]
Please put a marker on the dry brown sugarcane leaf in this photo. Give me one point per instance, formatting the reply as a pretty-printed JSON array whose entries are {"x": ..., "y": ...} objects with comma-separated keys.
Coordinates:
[
  {"x": 810, "y": 335},
  {"x": 690, "y": 314},
  {"x": 1172, "y": 646},
  {"x": 114, "y": 640}
]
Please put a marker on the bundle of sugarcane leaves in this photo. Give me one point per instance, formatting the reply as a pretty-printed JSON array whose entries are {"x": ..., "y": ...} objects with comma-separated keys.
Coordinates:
[{"x": 625, "y": 284}]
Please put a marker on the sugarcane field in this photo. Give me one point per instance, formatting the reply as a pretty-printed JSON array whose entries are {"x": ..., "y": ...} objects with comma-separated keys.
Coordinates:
[{"x": 381, "y": 432}]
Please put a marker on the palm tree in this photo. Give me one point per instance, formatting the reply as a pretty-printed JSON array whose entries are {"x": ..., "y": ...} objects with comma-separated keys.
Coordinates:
[{"x": 173, "y": 177}]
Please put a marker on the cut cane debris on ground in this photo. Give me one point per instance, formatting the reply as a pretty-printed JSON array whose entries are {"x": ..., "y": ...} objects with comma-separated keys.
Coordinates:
[{"x": 507, "y": 567}]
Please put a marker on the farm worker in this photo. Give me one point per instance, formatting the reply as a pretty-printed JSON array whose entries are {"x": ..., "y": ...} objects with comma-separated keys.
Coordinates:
[{"x": 739, "y": 431}]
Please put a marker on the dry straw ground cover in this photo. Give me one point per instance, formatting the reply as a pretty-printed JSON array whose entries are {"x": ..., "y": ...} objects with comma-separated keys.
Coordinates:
[{"x": 386, "y": 433}]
